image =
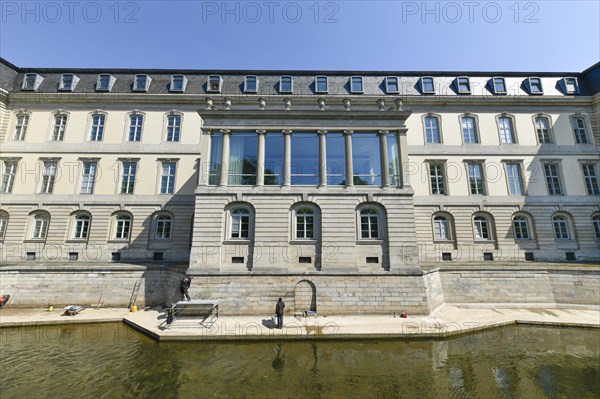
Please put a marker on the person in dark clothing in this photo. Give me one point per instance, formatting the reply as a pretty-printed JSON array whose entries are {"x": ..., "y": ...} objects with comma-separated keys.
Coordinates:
[
  {"x": 279, "y": 312},
  {"x": 183, "y": 287}
]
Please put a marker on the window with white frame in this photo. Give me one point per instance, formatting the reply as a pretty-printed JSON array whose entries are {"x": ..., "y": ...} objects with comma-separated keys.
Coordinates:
[
  {"x": 581, "y": 136},
  {"x": 482, "y": 228},
  {"x": 469, "y": 129},
  {"x": 561, "y": 227},
  {"x": 542, "y": 128},
  {"x": 305, "y": 224},
  {"x": 571, "y": 86},
  {"x": 48, "y": 177},
  {"x": 178, "y": 83},
  {"x": 162, "y": 227},
  {"x": 369, "y": 223},
  {"x": 596, "y": 223},
  {"x": 31, "y": 81},
  {"x": 475, "y": 172},
  {"x": 82, "y": 227},
  {"x": 105, "y": 82},
  {"x": 41, "y": 221},
  {"x": 250, "y": 84},
  {"x": 321, "y": 85},
  {"x": 68, "y": 82},
  {"x": 173, "y": 127},
  {"x": 97, "y": 130},
  {"x": 535, "y": 86},
  {"x": 128, "y": 178},
  {"x": 590, "y": 175},
  {"x": 499, "y": 85},
  {"x": 136, "y": 121},
  {"x": 9, "y": 173},
  {"x": 167, "y": 178},
  {"x": 141, "y": 82},
  {"x": 60, "y": 125},
  {"x": 432, "y": 129},
  {"x": 552, "y": 174},
  {"x": 507, "y": 131},
  {"x": 464, "y": 85},
  {"x": 514, "y": 178},
  {"x": 21, "y": 127},
  {"x": 441, "y": 228},
  {"x": 427, "y": 85},
  {"x": 286, "y": 84},
  {"x": 437, "y": 178},
  {"x": 215, "y": 83},
  {"x": 391, "y": 84},
  {"x": 88, "y": 177},
  {"x": 356, "y": 84},
  {"x": 123, "y": 227},
  {"x": 3, "y": 224},
  {"x": 521, "y": 227},
  {"x": 239, "y": 223}
]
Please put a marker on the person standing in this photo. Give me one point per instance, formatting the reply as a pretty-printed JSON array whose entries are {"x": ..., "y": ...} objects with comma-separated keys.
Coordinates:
[
  {"x": 279, "y": 313},
  {"x": 183, "y": 287}
]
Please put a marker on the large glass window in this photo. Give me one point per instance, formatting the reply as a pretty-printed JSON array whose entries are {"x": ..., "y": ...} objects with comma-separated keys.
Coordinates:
[
  {"x": 48, "y": 177},
  {"x": 240, "y": 223},
  {"x": 336, "y": 159},
  {"x": 123, "y": 227},
  {"x": 243, "y": 159},
  {"x": 305, "y": 221},
  {"x": 305, "y": 159},
  {"x": 507, "y": 133},
  {"x": 88, "y": 177},
  {"x": 542, "y": 127},
  {"x": 482, "y": 228},
  {"x": 128, "y": 178},
  {"x": 21, "y": 127},
  {"x": 591, "y": 178},
  {"x": 552, "y": 178},
  {"x": 82, "y": 227},
  {"x": 515, "y": 183},
  {"x": 97, "y": 127},
  {"x": 476, "y": 178},
  {"x": 441, "y": 228},
  {"x": 274, "y": 159},
  {"x": 369, "y": 223},
  {"x": 579, "y": 130},
  {"x": 394, "y": 160},
  {"x": 366, "y": 159},
  {"x": 162, "y": 229},
  {"x": 216, "y": 152},
  {"x": 167, "y": 181},
  {"x": 437, "y": 178},
  {"x": 521, "y": 227},
  {"x": 561, "y": 228},
  {"x": 173, "y": 127},
  {"x": 469, "y": 129},
  {"x": 135, "y": 127},
  {"x": 40, "y": 226},
  {"x": 432, "y": 130},
  {"x": 60, "y": 124}
]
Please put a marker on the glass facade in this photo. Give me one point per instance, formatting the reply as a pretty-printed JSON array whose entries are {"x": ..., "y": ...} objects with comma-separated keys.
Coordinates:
[
  {"x": 366, "y": 157},
  {"x": 336, "y": 159},
  {"x": 305, "y": 159},
  {"x": 243, "y": 159},
  {"x": 393, "y": 154},
  {"x": 216, "y": 154},
  {"x": 274, "y": 159}
]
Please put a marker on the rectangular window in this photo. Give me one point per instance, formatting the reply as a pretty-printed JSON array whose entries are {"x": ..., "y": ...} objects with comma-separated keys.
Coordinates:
[
  {"x": 581, "y": 136},
  {"x": 274, "y": 159},
  {"x": 141, "y": 83},
  {"x": 535, "y": 86},
  {"x": 542, "y": 127},
  {"x": 591, "y": 178},
  {"x": 432, "y": 130},
  {"x": 167, "y": 180},
  {"x": 305, "y": 159},
  {"x": 60, "y": 125},
  {"x": 214, "y": 83},
  {"x": 476, "y": 178},
  {"x": 173, "y": 127},
  {"x": 571, "y": 85},
  {"x": 507, "y": 133},
  {"x": 356, "y": 84},
  {"x": 366, "y": 159},
  {"x": 464, "y": 85},
  {"x": 286, "y": 84},
  {"x": 469, "y": 129},
  {"x": 515, "y": 182},
  {"x": 48, "y": 177},
  {"x": 21, "y": 127},
  {"x": 128, "y": 179},
  {"x": 66, "y": 82},
  {"x": 321, "y": 84},
  {"x": 30, "y": 82},
  {"x": 135, "y": 127},
  {"x": 105, "y": 83},
  {"x": 88, "y": 177},
  {"x": 551, "y": 172},
  {"x": 336, "y": 159},
  {"x": 391, "y": 85},
  {"x": 437, "y": 179},
  {"x": 394, "y": 171},
  {"x": 427, "y": 85},
  {"x": 251, "y": 84},
  {"x": 8, "y": 176},
  {"x": 243, "y": 159},
  {"x": 178, "y": 83},
  {"x": 97, "y": 127},
  {"x": 499, "y": 86},
  {"x": 216, "y": 153}
]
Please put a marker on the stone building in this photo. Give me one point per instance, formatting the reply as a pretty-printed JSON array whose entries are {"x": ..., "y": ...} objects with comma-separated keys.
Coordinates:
[{"x": 332, "y": 187}]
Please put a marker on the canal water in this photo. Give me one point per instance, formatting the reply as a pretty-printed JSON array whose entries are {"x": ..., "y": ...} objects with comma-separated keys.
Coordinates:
[{"x": 113, "y": 361}]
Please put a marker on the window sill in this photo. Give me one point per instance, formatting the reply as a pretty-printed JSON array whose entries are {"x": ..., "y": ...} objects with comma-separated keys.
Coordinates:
[
  {"x": 77, "y": 241},
  {"x": 443, "y": 241},
  {"x": 35, "y": 240},
  {"x": 233, "y": 241},
  {"x": 367, "y": 241},
  {"x": 485, "y": 241},
  {"x": 119, "y": 241},
  {"x": 303, "y": 242}
]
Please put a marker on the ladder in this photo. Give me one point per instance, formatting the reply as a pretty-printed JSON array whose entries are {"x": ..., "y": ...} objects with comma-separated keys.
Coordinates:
[{"x": 134, "y": 293}]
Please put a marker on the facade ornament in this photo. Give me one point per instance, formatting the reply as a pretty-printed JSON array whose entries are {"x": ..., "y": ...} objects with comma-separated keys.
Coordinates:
[
  {"x": 227, "y": 103},
  {"x": 398, "y": 103},
  {"x": 262, "y": 103},
  {"x": 321, "y": 102},
  {"x": 381, "y": 104},
  {"x": 209, "y": 103},
  {"x": 288, "y": 103},
  {"x": 346, "y": 102}
]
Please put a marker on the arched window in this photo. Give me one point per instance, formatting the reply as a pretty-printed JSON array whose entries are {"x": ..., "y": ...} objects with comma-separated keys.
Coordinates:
[
  {"x": 521, "y": 227},
  {"x": 162, "y": 227},
  {"x": 305, "y": 222},
  {"x": 240, "y": 223},
  {"x": 82, "y": 227},
  {"x": 369, "y": 223},
  {"x": 441, "y": 228},
  {"x": 596, "y": 223},
  {"x": 123, "y": 227},
  {"x": 561, "y": 227},
  {"x": 41, "y": 221},
  {"x": 3, "y": 224},
  {"x": 482, "y": 228}
]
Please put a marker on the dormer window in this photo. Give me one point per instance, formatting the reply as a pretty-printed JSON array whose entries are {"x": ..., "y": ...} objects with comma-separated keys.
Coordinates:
[
  {"x": 178, "y": 83},
  {"x": 356, "y": 84},
  {"x": 31, "y": 81},
  {"x": 535, "y": 86},
  {"x": 570, "y": 85},
  {"x": 321, "y": 84},
  {"x": 141, "y": 83},
  {"x": 251, "y": 84},
  {"x": 105, "y": 82},
  {"x": 68, "y": 82},
  {"x": 215, "y": 82},
  {"x": 286, "y": 84},
  {"x": 499, "y": 85},
  {"x": 391, "y": 84},
  {"x": 463, "y": 84},
  {"x": 427, "y": 86}
]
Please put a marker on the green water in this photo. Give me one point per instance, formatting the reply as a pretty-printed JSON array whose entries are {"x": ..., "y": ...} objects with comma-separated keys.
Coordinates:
[{"x": 113, "y": 361}]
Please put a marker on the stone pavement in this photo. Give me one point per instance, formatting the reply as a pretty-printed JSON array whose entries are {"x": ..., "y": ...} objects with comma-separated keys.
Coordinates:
[{"x": 447, "y": 321}]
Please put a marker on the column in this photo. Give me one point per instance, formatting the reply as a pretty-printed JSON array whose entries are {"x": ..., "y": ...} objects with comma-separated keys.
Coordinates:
[
  {"x": 349, "y": 165},
  {"x": 260, "y": 168},
  {"x": 225, "y": 157},
  {"x": 403, "y": 157},
  {"x": 385, "y": 171},
  {"x": 287, "y": 157},
  {"x": 322, "y": 157}
]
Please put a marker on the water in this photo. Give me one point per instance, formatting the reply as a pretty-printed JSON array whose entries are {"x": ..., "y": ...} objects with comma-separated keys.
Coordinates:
[{"x": 113, "y": 361}]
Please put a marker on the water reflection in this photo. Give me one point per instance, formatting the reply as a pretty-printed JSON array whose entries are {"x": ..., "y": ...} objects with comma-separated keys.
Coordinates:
[{"x": 111, "y": 360}]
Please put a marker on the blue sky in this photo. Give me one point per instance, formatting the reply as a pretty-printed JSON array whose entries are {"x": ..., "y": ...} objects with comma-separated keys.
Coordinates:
[{"x": 349, "y": 35}]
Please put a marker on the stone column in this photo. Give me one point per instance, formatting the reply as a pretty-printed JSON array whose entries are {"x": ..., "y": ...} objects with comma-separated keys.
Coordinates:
[
  {"x": 225, "y": 157},
  {"x": 403, "y": 157},
  {"x": 260, "y": 167},
  {"x": 385, "y": 171},
  {"x": 349, "y": 164},
  {"x": 322, "y": 157},
  {"x": 287, "y": 157}
]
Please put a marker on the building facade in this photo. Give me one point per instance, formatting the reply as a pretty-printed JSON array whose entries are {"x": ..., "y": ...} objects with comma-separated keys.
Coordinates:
[{"x": 259, "y": 179}]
